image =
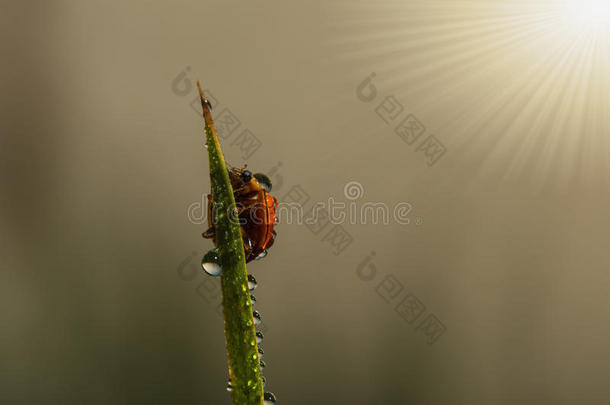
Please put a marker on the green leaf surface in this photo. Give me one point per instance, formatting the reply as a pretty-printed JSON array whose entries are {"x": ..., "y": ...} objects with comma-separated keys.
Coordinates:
[{"x": 242, "y": 351}]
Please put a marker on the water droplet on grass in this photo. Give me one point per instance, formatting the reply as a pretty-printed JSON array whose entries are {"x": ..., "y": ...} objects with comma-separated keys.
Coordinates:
[
  {"x": 257, "y": 318},
  {"x": 211, "y": 263},
  {"x": 259, "y": 337},
  {"x": 252, "y": 284},
  {"x": 269, "y": 398}
]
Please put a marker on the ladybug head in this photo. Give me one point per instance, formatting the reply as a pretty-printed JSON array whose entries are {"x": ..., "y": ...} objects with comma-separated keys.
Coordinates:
[
  {"x": 246, "y": 176},
  {"x": 264, "y": 181}
]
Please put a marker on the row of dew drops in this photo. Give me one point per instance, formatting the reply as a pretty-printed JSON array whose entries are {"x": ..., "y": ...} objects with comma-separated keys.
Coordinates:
[{"x": 210, "y": 264}]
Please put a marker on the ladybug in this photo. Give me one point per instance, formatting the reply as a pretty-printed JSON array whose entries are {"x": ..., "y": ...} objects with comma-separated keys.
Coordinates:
[{"x": 256, "y": 212}]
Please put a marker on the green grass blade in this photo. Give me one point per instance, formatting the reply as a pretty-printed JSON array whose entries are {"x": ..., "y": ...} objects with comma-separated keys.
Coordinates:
[{"x": 242, "y": 353}]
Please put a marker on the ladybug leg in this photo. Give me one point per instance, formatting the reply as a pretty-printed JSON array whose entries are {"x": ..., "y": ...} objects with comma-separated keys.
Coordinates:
[
  {"x": 233, "y": 175},
  {"x": 247, "y": 190},
  {"x": 241, "y": 190}
]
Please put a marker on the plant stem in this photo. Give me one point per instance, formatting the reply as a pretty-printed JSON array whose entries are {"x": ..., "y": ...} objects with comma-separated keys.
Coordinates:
[{"x": 242, "y": 351}]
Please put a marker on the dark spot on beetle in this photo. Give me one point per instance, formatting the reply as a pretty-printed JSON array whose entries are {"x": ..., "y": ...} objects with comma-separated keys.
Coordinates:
[{"x": 264, "y": 181}]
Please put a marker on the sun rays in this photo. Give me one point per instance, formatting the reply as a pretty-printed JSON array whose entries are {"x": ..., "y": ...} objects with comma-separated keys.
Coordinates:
[{"x": 520, "y": 86}]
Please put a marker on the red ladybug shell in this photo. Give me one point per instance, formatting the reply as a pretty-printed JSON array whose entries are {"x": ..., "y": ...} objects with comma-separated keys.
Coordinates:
[
  {"x": 260, "y": 228},
  {"x": 257, "y": 214}
]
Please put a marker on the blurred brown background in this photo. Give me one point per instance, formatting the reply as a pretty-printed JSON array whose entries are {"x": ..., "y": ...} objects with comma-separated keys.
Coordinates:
[{"x": 506, "y": 252}]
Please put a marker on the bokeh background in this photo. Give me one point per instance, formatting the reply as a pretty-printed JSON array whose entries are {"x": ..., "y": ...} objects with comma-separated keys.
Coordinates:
[{"x": 101, "y": 296}]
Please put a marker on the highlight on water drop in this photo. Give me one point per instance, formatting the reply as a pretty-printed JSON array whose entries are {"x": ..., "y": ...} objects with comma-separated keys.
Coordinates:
[
  {"x": 229, "y": 386},
  {"x": 211, "y": 263},
  {"x": 256, "y": 317},
  {"x": 252, "y": 284},
  {"x": 269, "y": 398},
  {"x": 261, "y": 254}
]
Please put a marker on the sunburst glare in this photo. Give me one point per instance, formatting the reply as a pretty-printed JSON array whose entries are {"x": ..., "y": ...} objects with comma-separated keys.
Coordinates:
[
  {"x": 520, "y": 89},
  {"x": 588, "y": 16}
]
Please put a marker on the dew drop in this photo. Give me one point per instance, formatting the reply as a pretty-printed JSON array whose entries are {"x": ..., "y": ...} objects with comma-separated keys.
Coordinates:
[
  {"x": 252, "y": 299},
  {"x": 259, "y": 337},
  {"x": 252, "y": 284},
  {"x": 261, "y": 254},
  {"x": 212, "y": 269},
  {"x": 263, "y": 364},
  {"x": 260, "y": 353},
  {"x": 211, "y": 263},
  {"x": 257, "y": 318},
  {"x": 269, "y": 398},
  {"x": 264, "y": 380},
  {"x": 229, "y": 386}
]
